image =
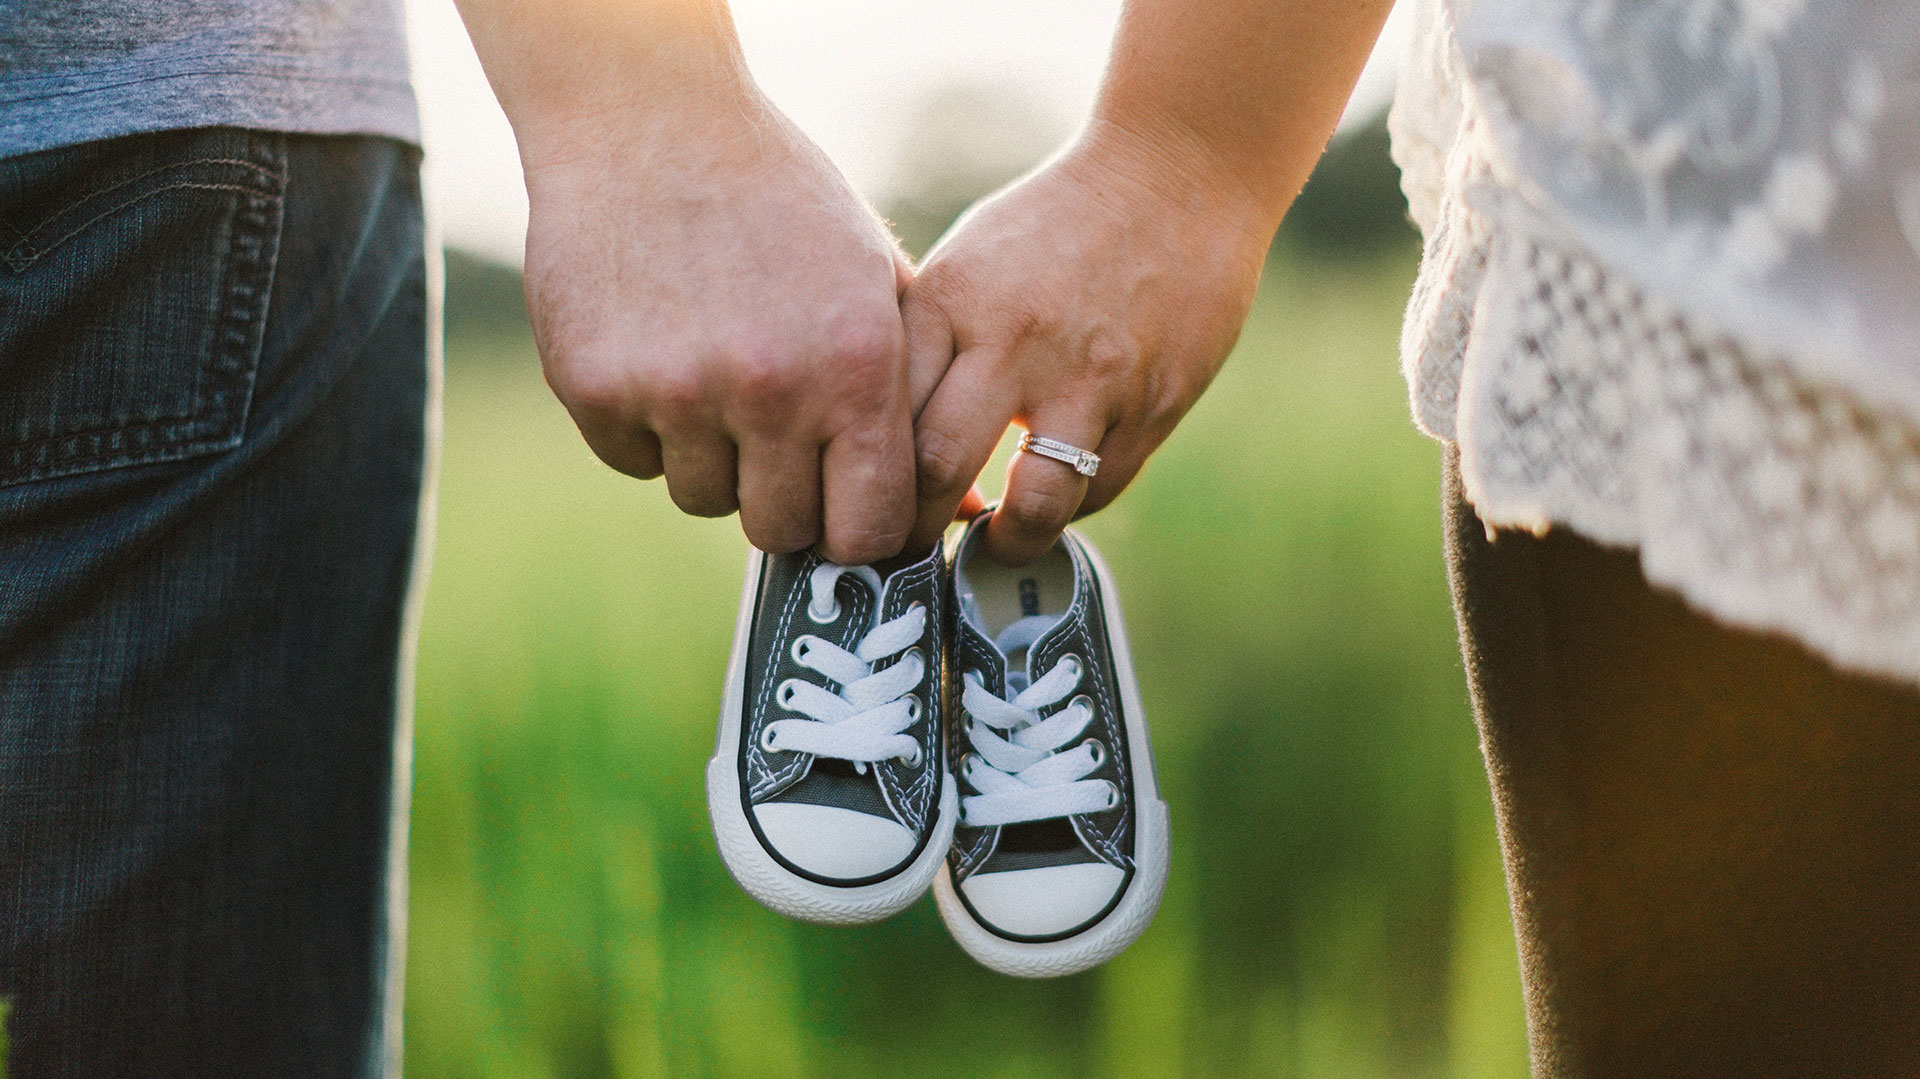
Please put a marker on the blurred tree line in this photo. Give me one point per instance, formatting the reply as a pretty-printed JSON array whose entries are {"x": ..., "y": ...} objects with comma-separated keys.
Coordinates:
[{"x": 966, "y": 141}]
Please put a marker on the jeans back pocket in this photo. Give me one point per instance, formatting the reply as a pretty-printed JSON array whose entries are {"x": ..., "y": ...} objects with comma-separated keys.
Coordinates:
[{"x": 133, "y": 298}]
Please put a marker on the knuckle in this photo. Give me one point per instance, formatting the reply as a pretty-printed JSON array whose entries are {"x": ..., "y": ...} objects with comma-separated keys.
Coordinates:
[
  {"x": 624, "y": 454},
  {"x": 765, "y": 375},
  {"x": 589, "y": 385},
  {"x": 783, "y": 537},
  {"x": 938, "y": 460},
  {"x": 1157, "y": 397},
  {"x": 1165, "y": 400},
  {"x": 1038, "y": 509},
  {"x": 715, "y": 508},
  {"x": 700, "y": 502},
  {"x": 862, "y": 543},
  {"x": 864, "y": 346},
  {"x": 1150, "y": 400},
  {"x": 671, "y": 389},
  {"x": 1111, "y": 359},
  {"x": 1033, "y": 322}
]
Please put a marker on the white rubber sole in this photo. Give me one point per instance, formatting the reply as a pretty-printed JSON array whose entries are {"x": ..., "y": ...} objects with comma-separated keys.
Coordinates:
[
  {"x": 776, "y": 887},
  {"x": 1152, "y": 851}
]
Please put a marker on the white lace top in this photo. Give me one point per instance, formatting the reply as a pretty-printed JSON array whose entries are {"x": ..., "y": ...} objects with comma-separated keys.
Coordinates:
[{"x": 1670, "y": 296}]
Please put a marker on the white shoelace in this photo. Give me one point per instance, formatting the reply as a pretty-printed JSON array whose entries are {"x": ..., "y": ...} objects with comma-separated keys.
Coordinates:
[
  {"x": 863, "y": 722},
  {"x": 1021, "y": 775}
]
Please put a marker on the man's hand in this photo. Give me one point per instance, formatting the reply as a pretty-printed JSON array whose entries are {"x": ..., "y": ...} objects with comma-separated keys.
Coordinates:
[
  {"x": 712, "y": 302},
  {"x": 1091, "y": 303}
]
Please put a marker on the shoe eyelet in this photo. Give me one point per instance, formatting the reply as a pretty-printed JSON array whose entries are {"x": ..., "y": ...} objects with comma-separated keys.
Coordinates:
[
  {"x": 1086, "y": 703},
  {"x": 784, "y": 695},
  {"x": 914, "y": 709},
  {"x": 1113, "y": 795},
  {"x": 801, "y": 646},
  {"x": 766, "y": 740},
  {"x": 832, "y": 614},
  {"x": 1099, "y": 751},
  {"x": 1079, "y": 667},
  {"x": 912, "y": 760}
]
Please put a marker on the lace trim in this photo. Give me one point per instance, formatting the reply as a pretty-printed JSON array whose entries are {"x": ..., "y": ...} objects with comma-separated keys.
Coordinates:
[
  {"x": 1579, "y": 400},
  {"x": 1756, "y": 164}
]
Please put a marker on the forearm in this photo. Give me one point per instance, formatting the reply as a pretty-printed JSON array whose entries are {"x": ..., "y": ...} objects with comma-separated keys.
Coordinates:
[
  {"x": 1245, "y": 92},
  {"x": 558, "y": 65}
]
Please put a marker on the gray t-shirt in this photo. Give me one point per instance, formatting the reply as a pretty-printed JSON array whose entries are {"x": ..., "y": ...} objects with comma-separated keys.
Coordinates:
[{"x": 78, "y": 70}]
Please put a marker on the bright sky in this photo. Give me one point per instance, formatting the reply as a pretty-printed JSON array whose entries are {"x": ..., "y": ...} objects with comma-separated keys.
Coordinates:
[{"x": 849, "y": 72}]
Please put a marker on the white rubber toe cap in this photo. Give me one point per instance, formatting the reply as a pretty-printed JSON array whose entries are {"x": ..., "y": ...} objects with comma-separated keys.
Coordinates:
[
  {"x": 1042, "y": 902},
  {"x": 831, "y": 842}
]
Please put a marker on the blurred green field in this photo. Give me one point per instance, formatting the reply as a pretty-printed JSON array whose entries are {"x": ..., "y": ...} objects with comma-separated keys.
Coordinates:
[{"x": 1335, "y": 908}]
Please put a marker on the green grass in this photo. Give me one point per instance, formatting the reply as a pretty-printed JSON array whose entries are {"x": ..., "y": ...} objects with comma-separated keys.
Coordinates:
[{"x": 1335, "y": 908}]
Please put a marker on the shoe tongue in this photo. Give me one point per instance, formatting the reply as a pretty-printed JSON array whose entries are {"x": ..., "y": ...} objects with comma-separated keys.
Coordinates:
[
  {"x": 887, "y": 567},
  {"x": 1021, "y": 634},
  {"x": 1016, "y": 643},
  {"x": 879, "y": 577},
  {"x": 858, "y": 588}
]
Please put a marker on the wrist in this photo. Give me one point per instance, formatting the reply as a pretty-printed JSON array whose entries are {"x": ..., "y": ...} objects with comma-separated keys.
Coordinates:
[
  {"x": 589, "y": 70},
  {"x": 1169, "y": 164}
]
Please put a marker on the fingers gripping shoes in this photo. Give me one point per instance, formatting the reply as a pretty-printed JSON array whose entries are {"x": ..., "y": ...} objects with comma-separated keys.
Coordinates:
[
  {"x": 1060, "y": 855},
  {"x": 828, "y": 787}
]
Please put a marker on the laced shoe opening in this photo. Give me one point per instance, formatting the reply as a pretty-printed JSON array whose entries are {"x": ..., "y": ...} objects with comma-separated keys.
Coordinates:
[{"x": 1001, "y": 595}]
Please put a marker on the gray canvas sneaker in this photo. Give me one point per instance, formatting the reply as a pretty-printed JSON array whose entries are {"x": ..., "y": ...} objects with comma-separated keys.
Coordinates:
[
  {"x": 828, "y": 787},
  {"x": 1061, "y": 852}
]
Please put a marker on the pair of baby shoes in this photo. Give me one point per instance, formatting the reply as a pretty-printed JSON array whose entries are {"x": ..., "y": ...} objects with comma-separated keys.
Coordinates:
[{"x": 974, "y": 728}]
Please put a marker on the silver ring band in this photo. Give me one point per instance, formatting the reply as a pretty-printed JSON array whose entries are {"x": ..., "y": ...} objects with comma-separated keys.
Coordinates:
[{"x": 1085, "y": 462}]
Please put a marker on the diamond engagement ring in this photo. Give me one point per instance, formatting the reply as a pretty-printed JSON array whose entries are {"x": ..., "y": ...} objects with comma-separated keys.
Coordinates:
[{"x": 1085, "y": 462}]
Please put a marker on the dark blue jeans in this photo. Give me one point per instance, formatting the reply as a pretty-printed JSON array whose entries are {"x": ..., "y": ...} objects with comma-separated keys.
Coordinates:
[{"x": 213, "y": 399}]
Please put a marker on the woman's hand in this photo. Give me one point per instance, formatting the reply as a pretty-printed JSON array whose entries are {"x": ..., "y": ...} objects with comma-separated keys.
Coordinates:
[{"x": 1090, "y": 303}]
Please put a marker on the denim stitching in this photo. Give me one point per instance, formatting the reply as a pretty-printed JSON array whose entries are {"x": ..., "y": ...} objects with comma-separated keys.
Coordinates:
[
  {"x": 240, "y": 323},
  {"x": 250, "y": 303},
  {"x": 20, "y": 262},
  {"x": 270, "y": 174}
]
